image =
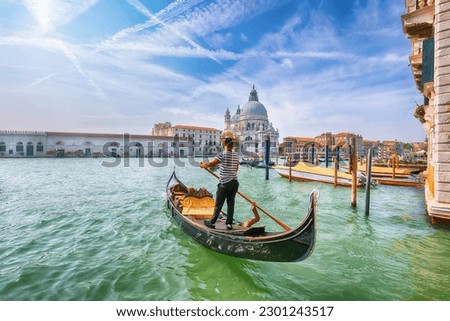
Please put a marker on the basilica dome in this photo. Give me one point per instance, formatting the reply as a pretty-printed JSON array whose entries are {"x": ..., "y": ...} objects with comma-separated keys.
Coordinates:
[{"x": 253, "y": 107}]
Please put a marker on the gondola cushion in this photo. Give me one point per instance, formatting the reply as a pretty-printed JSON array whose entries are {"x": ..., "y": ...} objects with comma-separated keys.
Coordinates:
[{"x": 201, "y": 208}]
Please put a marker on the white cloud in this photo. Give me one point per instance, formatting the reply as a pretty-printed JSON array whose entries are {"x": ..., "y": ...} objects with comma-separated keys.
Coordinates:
[
  {"x": 50, "y": 14},
  {"x": 311, "y": 75}
]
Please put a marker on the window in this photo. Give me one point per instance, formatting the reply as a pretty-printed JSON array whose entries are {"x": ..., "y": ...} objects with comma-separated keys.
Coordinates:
[
  {"x": 2, "y": 147},
  {"x": 19, "y": 147},
  {"x": 30, "y": 149},
  {"x": 39, "y": 147},
  {"x": 428, "y": 61}
]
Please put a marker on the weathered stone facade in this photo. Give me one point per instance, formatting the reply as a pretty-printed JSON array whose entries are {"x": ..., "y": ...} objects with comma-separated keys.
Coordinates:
[
  {"x": 52, "y": 144},
  {"x": 427, "y": 25},
  {"x": 205, "y": 141}
]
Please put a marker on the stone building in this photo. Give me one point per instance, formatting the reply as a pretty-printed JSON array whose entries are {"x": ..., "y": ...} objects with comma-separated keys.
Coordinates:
[
  {"x": 250, "y": 124},
  {"x": 162, "y": 129},
  {"x": 64, "y": 144},
  {"x": 298, "y": 148},
  {"x": 204, "y": 141},
  {"x": 301, "y": 146},
  {"x": 427, "y": 24}
]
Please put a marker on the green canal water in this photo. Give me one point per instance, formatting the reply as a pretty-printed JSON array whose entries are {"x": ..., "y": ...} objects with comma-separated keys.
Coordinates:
[{"x": 72, "y": 229}]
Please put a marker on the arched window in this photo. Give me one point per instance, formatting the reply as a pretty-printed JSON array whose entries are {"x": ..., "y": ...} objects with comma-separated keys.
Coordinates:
[
  {"x": 30, "y": 149},
  {"x": 19, "y": 147},
  {"x": 2, "y": 147},
  {"x": 248, "y": 126},
  {"x": 40, "y": 147}
]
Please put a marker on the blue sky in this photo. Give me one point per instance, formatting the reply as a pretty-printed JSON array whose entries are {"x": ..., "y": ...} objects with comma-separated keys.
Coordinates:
[{"x": 123, "y": 65}]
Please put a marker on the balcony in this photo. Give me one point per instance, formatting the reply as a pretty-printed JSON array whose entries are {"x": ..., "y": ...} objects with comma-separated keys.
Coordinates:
[{"x": 418, "y": 21}]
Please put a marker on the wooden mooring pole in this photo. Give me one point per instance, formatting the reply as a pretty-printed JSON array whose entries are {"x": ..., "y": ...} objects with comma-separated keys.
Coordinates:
[
  {"x": 267, "y": 160},
  {"x": 394, "y": 164},
  {"x": 354, "y": 171},
  {"x": 290, "y": 168},
  {"x": 368, "y": 180},
  {"x": 336, "y": 167}
]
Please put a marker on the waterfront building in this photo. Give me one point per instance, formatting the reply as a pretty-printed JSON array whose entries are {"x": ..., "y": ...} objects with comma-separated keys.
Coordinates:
[
  {"x": 251, "y": 126},
  {"x": 203, "y": 140},
  {"x": 162, "y": 129},
  {"x": 344, "y": 140},
  {"x": 325, "y": 139},
  {"x": 296, "y": 147},
  {"x": 371, "y": 144},
  {"x": 63, "y": 144},
  {"x": 427, "y": 24},
  {"x": 300, "y": 147},
  {"x": 294, "y": 144},
  {"x": 388, "y": 148}
]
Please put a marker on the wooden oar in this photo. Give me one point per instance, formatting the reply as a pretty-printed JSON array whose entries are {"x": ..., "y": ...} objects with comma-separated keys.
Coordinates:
[{"x": 287, "y": 228}]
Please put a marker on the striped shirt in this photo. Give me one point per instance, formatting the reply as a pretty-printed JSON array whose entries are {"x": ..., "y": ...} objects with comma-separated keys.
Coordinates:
[{"x": 229, "y": 163}]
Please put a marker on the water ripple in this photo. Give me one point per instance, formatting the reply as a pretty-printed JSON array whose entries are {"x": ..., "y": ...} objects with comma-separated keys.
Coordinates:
[{"x": 71, "y": 229}]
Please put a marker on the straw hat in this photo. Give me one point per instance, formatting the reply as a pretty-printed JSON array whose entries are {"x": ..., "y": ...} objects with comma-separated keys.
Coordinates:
[{"x": 228, "y": 134}]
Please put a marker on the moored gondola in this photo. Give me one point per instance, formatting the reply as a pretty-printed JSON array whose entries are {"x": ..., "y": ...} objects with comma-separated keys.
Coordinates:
[{"x": 189, "y": 207}]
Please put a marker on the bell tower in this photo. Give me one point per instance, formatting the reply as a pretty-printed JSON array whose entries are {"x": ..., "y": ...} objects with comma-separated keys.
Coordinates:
[{"x": 227, "y": 120}]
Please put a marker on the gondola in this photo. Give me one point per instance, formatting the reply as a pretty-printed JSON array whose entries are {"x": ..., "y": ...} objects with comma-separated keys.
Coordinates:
[{"x": 189, "y": 207}]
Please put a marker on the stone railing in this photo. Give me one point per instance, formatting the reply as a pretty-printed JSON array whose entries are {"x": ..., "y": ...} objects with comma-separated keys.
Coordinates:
[
  {"x": 413, "y": 5},
  {"x": 22, "y": 132}
]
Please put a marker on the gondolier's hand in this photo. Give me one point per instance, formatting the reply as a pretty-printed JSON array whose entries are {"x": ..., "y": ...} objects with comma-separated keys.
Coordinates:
[{"x": 203, "y": 165}]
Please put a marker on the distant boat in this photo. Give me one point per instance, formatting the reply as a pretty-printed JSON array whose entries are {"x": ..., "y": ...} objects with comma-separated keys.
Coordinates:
[
  {"x": 263, "y": 164},
  {"x": 249, "y": 162},
  {"x": 378, "y": 171},
  {"x": 409, "y": 181},
  {"x": 312, "y": 173},
  {"x": 255, "y": 163},
  {"x": 384, "y": 176}
]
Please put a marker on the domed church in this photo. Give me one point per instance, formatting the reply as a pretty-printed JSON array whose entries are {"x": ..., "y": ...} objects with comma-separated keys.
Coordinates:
[{"x": 251, "y": 127}]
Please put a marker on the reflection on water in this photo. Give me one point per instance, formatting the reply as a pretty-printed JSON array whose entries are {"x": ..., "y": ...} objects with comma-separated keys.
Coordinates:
[{"x": 71, "y": 229}]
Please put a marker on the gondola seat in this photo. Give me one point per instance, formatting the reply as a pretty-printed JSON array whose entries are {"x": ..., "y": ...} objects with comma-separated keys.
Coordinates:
[{"x": 197, "y": 207}]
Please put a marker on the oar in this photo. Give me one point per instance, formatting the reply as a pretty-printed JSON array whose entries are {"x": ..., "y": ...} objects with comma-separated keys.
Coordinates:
[{"x": 287, "y": 228}]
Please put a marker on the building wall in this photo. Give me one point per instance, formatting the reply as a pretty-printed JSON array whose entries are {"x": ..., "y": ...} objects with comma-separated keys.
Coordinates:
[
  {"x": 11, "y": 139},
  {"x": 205, "y": 140},
  {"x": 92, "y": 145},
  {"x": 442, "y": 102},
  {"x": 428, "y": 22}
]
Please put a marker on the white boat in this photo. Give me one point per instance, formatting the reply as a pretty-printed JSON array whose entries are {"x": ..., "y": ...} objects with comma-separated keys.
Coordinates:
[{"x": 312, "y": 173}]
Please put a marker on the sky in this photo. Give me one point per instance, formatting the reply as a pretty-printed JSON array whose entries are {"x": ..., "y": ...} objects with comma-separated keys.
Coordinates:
[{"x": 121, "y": 66}]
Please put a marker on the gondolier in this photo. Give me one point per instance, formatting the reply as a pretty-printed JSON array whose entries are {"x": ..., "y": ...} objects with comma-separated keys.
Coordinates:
[{"x": 228, "y": 182}]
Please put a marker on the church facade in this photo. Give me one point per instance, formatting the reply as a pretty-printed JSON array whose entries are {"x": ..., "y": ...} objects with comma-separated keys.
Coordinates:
[{"x": 252, "y": 128}]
